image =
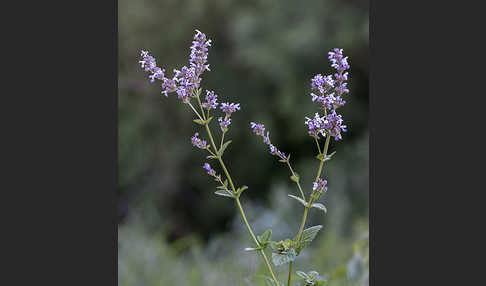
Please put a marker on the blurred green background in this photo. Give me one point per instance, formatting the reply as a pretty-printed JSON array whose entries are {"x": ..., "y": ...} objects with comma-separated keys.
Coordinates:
[{"x": 172, "y": 229}]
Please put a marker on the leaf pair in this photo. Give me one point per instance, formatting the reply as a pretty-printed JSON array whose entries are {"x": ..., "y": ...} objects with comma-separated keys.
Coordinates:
[
  {"x": 203, "y": 122},
  {"x": 322, "y": 157},
  {"x": 306, "y": 204}
]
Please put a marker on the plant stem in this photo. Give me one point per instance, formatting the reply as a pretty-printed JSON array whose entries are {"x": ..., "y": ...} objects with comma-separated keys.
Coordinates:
[
  {"x": 200, "y": 106},
  {"x": 298, "y": 184},
  {"x": 240, "y": 208},
  {"x": 193, "y": 109},
  {"x": 309, "y": 203},
  {"x": 255, "y": 240}
]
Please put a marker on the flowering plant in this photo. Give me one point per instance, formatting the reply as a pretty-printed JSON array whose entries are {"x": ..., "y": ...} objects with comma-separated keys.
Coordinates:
[{"x": 327, "y": 92}]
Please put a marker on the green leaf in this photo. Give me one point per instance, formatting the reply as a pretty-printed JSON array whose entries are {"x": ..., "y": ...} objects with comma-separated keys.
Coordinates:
[
  {"x": 320, "y": 157},
  {"x": 307, "y": 237},
  {"x": 199, "y": 121},
  {"x": 298, "y": 199},
  {"x": 329, "y": 157},
  {"x": 320, "y": 206},
  {"x": 221, "y": 151},
  {"x": 209, "y": 120},
  {"x": 241, "y": 189},
  {"x": 253, "y": 248},
  {"x": 282, "y": 160},
  {"x": 283, "y": 257},
  {"x": 302, "y": 274},
  {"x": 265, "y": 236},
  {"x": 222, "y": 187},
  {"x": 273, "y": 245},
  {"x": 224, "y": 193},
  {"x": 295, "y": 178}
]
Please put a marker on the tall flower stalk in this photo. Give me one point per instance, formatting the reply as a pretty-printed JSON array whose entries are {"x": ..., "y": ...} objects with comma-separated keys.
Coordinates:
[{"x": 327, "y": 93}]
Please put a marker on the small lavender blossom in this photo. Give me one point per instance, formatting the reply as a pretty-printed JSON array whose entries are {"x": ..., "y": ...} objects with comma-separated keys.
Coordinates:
[
  {"x": 148, "y": 62},
  {"x": 319, "y": 185},
  {"x": 211, "y": 100},
  {"x": 224, "y": 123},
  {"x": 322, "y": 83},
  {"x": 258, "y": 128},
  {"x": 339, "y": 62},
  {"x": 197, "y": 142},
  {"x": 168, "y": 86},
  {"x": 229, "y": 108},
  {"x": 316, "y": 125},
  {"x": 157, "y": 73},
  {"x": 188, "y": 82},
  {"x": 211, "y": 172},
  {"x": 334, "y": 125}
]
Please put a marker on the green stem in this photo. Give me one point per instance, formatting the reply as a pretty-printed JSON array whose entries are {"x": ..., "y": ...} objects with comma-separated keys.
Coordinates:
[
  {"x": 240, "y": 208},
  {"x": 193, "y": 109},
  {"x": 200, "y": 105},
  {"x": 309, "y": 203},
  {"x": 222, "y": 140},
  {"x": 255, "y": 240},
  {"x": 298, "y": 184}
]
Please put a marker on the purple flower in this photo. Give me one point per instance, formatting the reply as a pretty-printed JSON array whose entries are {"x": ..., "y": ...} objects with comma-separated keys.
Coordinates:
[
  {"x": 211, "y": 100},
  {"x": 158, "y": 73},
  {"x": 198, "y": 142},
  {"x": 322, "y": 83},
  {"x": 211, "y": 171},
  {"x": 319, "y": 185},
  {"x": 316, "y": 125},
  {"x": 148, "y": 62},
  {"x": 334, "y": 125},
  {"x": 229, "y": 108},
  {"x": 168, "y": 86},
  {"x": 224, "y": 123},
  {"x": 188, "y": 82},
  {"x": 259, "y": 129},
  {"x": 199, "y": 53},
  {"x": 340, "y": 63}
]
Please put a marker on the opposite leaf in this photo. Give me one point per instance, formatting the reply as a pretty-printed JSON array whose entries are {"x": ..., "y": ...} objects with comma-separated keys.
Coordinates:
[
  {"x": 307, "y": 237},
  {"x": 283, "y": 257},
  {"x": 320, "y": 206},
  {"x": 265, "y": 237},
  {"x": 224, "y": 193},
  {"x": 221, "y": 151},
  {"x": 298, "y": 199}
]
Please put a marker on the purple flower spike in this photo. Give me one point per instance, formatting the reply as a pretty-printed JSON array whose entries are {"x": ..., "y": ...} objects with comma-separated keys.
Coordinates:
[
  {"x": 211, "y": 172},
  {"x": 197, "y": 142},
  {"x": 259, "y": 129},
  {"x": 199, "y": 53},
  {"x": 211, "y": 100}
]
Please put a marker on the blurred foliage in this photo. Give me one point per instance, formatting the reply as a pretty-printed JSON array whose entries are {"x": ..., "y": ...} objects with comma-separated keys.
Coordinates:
[{"x": 172, "y": 228}]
